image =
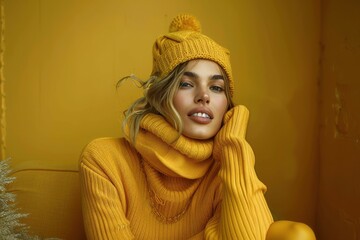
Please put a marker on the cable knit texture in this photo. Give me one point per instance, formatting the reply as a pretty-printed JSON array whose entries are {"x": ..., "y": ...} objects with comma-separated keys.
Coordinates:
[
  {"x": 185, "y": 42},
  {"x": 171, "y": 188}
]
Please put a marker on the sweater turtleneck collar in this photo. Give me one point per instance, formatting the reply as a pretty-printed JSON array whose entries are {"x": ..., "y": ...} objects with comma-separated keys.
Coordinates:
[{"x": 178, "y": 156}]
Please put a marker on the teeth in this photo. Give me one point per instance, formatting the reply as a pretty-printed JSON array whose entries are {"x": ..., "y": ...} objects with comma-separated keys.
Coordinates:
[{"x": 204, "y": 115}]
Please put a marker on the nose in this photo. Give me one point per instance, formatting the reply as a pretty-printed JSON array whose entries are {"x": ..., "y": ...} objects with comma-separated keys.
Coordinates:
[{"x": 202, "y": 97}]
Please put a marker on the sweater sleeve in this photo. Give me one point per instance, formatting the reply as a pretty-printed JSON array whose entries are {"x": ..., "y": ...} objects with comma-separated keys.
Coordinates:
[
  {"x": 103, "y": 205},
  {"x": 243, "y": 212}
]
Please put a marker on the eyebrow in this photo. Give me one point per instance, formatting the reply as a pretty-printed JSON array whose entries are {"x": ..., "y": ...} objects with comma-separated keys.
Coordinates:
[{"x": 213, "y": 77}]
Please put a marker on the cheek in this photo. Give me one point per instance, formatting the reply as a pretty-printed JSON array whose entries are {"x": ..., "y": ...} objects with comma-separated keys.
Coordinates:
[
  {"x": 222, "y": 106},
  {"x": 177, "y": 101},
  {"x": 178, "y": 104}
]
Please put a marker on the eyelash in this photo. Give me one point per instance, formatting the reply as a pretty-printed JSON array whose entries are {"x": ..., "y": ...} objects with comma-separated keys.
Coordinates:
[
  {"x": 214, "y": 88},
  {"x": 217, "y": 88},
  {"x": 185, "y": 84}
]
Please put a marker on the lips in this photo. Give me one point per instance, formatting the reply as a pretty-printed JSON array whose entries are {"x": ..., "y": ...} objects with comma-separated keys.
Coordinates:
[{"x": 201, "y": 115}]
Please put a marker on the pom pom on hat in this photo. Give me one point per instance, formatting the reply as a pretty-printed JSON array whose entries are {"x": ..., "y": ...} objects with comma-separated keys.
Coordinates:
[{"x": 185, "y": 22}]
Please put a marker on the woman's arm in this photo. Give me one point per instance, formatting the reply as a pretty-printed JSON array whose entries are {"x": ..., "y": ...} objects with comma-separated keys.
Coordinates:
[
  {"x": 102, "y": 206},
  {"x": 243, "y": 212}
]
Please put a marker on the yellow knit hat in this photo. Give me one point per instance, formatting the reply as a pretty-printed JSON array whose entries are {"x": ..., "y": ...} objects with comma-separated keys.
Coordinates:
[{"x": 185, "y": 42}]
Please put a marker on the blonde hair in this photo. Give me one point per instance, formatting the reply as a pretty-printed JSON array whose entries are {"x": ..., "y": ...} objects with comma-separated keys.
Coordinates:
[{"x": 158, "y": 99}]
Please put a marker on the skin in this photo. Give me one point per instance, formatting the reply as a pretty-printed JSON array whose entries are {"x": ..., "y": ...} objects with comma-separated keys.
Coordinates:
[{"x": 200, "y": 100}]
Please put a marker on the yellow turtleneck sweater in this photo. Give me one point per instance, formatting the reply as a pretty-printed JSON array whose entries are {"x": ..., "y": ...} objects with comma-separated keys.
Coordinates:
[{"x": 166, "y": 187}]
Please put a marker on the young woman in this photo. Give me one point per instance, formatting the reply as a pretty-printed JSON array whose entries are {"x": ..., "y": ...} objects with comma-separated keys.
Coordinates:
[{"x": 184, "y": 169}]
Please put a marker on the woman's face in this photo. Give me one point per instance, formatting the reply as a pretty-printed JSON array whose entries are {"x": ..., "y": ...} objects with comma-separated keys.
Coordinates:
[{"x": 201, "y": 100}]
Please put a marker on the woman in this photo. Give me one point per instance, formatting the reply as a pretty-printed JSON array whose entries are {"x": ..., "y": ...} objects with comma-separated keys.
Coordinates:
[{"x": 184, "y": 169}]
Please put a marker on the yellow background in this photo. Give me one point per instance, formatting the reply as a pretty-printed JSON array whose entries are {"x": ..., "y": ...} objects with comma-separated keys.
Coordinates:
[{"x": 296, "y": 69}]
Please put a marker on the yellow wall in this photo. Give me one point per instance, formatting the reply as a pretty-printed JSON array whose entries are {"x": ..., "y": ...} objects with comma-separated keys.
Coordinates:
[
  {"x": 338, "y": 215},
  {"x": 2, "y": 84},
  {"x": 63, "y": 59}
]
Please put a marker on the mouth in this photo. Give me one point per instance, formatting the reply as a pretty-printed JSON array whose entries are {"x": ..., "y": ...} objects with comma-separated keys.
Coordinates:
[{"x": 201, "y": 115}]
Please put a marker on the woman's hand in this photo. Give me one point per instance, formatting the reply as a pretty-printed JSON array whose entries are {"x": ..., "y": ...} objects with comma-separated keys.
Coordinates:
[{"x": 234, "y": 126}]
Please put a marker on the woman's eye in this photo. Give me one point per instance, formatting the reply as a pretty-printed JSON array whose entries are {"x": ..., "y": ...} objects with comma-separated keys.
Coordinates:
[
  {"x": 184, "y": 85},
  {"x": 217, "y": 88}
]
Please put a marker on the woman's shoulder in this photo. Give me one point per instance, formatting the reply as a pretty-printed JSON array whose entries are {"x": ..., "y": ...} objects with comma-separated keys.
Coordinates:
[
  {"x": 106, "y": 142},
  {"x": 106, "y": 150},
  {"x": 109, "y": 158}
]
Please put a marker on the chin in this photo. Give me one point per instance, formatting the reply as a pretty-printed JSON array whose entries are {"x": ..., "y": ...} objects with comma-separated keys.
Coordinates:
[{"x": 198, "y": 136}]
